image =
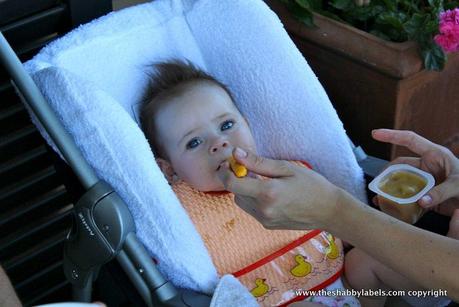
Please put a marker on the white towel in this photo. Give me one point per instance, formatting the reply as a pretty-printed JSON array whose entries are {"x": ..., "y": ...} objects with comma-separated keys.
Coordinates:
[
  {"x": 230, "y": 292},
  {"x": 94, "y": 76}
]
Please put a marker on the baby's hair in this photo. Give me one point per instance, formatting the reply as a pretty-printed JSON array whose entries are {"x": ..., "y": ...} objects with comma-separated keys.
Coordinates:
[{"x": 167, "y": 80}]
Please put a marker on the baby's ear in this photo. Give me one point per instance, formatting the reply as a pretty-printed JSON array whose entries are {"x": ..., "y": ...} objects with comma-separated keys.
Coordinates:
[{"x": 167, "y": 170}]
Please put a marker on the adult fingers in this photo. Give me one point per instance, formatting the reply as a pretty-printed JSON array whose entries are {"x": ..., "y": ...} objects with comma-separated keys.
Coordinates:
[
  {"x": 246, "y": 186},
  {"x": 375, "y": 201},
  {"x": 262, "y": 166},
  {"x": 440, "y": 193},
  {"x": 413, "y": 161},
  {"x": 408, "y": 139}
]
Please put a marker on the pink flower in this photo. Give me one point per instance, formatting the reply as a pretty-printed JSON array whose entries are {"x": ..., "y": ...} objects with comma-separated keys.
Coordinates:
[
  {"x": 448, "y": 39},
  {"x": 450, "y": 16}
]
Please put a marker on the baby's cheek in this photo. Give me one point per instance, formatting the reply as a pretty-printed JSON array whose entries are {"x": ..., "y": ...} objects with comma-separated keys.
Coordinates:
[
  {"x": 199, "y": 177},
  {"x": 247, "y": 141},
  {"x": 208, "y": 181}
]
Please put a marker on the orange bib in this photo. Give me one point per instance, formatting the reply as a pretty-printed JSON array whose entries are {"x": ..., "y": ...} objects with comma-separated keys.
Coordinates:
[{"x": 272, "y": 264}]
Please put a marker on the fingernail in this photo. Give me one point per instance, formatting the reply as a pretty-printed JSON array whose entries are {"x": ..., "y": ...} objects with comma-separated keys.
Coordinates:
[
  {"x": 240, "y": 153},
  {"x": 426, "y": 200}
]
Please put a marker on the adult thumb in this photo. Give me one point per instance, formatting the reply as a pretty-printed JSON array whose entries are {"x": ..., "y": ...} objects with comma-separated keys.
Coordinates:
[
  {"x": 439, "y": 194},
  {"x": 262, "y": 166}
]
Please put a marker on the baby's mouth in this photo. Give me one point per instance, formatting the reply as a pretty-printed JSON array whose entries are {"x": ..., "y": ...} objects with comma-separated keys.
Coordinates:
[{"x": 221, "y": 163}]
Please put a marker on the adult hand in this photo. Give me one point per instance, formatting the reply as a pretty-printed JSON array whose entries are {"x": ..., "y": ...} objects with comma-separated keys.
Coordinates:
[
  {"x": 434, "y": 159},
  {"x": 293, "y": 197}
]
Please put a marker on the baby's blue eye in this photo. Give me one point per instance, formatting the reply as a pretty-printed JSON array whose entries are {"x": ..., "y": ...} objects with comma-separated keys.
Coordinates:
[
  {"x": 227, "y": 125},
  {"x": 193, "y": 143}
]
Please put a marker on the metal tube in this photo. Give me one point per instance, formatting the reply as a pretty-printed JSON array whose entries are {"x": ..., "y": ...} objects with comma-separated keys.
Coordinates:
[
  {"x": 83, "y": 294},
  {"x": 134, "y": 277},
  {"x": 46, "y": 116},
  {"x": 162, "y": 289}
]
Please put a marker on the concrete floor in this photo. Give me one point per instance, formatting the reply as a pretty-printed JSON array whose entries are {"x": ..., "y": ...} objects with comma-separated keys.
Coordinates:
[{"x": 119, "y": 4}]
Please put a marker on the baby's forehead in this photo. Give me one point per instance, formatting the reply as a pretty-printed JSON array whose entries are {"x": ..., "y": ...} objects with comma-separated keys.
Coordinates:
[
  {"x": 202, "y": 95},
  {"x": 194, "y": 108},
  {"x": 204, "y": 88}
]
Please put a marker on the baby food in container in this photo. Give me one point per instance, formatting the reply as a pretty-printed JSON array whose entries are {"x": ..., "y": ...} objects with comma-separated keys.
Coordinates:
[{"x": 399, "y": 187}]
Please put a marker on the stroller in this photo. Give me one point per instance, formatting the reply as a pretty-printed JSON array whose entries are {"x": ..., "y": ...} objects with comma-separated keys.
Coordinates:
[{"x": 93, "y": 79}]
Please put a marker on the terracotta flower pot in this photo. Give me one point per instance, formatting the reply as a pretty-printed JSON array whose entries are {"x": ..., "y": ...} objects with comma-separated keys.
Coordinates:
[{"x": 374, "y": 83}]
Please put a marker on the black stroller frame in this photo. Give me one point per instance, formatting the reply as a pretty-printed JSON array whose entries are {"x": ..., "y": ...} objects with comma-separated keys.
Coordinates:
[{"x": 103, "y": 227}]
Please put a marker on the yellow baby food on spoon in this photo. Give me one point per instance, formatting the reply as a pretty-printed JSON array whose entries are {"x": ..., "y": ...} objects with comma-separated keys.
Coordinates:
[{"x": 238, "y": 169}]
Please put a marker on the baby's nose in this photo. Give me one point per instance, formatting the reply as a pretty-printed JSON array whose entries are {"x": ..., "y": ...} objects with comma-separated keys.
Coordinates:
[{"x": 219, "y": 145}]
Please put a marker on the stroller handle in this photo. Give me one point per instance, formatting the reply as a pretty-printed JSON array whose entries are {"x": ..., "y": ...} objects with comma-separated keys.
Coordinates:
[{"x": 35, "y": 100}]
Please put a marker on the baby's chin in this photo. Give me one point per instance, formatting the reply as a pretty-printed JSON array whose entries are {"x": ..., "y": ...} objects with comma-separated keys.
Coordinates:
[{"x": 209, "y": 187}]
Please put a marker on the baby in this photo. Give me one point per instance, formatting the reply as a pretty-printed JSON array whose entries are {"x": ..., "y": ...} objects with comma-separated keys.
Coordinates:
[{"x": 191, "y": 122}]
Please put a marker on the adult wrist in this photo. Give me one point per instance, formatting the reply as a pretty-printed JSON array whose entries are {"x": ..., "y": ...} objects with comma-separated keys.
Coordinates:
[
  {"x": 342, "y": 204},
  {"x": 331, "y": 208}
]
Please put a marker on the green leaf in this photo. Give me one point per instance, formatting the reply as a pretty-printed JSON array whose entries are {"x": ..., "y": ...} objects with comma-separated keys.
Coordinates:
[
  {"x": 435, "y": 3},
  {"x": 316, "y": 4},
  {"x": 304, "y": 4},
  {"x": 330, "y": 15},
  {"x": 451, "y": 5},
  {"x": 380, "y": 34},
  {"x": 307, "y": 21},
  {"x": 301, "y": 14},
  {"x": 409, "y": 6},
  {"x": 392, "y": 19},
  {"x": 341, "y": 4},
  {"x": 432, "y": 26},
  {"x": 391, "y": 4},
  {"x": 434, "y": 58},
  {"x": 365, "y": 13},
  {"x": 413, "y": 27}
]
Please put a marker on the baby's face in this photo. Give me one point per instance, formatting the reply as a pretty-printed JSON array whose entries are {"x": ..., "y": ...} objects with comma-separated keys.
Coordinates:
[{"x": 198, "y": 131}]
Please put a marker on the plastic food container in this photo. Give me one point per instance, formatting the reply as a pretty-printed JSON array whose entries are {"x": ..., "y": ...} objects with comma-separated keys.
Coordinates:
[{"x": 399, "y": 187}]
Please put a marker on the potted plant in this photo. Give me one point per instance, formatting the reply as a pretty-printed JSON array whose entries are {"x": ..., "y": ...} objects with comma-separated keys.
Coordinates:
[{"x": 388, "y": 64}]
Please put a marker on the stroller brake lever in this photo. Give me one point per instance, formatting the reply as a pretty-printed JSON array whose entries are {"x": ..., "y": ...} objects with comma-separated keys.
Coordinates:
[{"x": 101, "y": 225}]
